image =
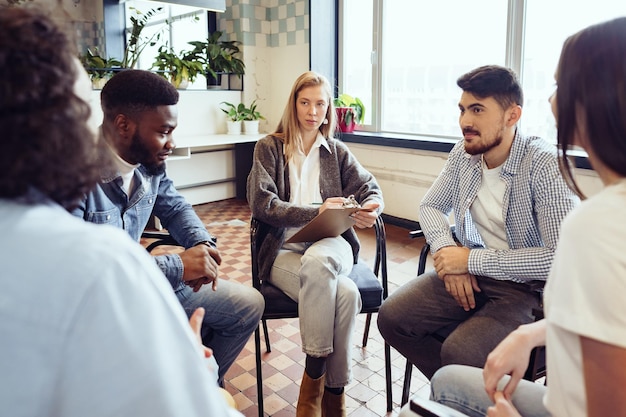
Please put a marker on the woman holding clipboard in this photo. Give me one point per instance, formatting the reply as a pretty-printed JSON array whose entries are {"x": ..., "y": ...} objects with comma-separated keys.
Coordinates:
[{"x": 299, "y": 171}]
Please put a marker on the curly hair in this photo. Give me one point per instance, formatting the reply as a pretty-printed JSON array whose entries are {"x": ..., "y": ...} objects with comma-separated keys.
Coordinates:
[
  {"x": 47, "y": 144},
  {"x": 131, "y": 92},
  {"x": 493, "y": 81}
]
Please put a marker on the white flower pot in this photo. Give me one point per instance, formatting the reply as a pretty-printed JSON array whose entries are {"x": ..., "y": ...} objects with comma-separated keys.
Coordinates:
[
  {"x": 234, "y": 128},
  {"x": 251, "y": 127}
]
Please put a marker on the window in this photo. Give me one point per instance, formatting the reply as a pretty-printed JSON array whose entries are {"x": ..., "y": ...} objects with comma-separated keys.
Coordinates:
[
  {"x": 402, "y": 57},
  {"x": 173, "y": 26}
]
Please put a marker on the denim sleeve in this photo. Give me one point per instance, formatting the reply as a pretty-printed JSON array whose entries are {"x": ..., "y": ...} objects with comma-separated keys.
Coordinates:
[{"x": 172, "y": 267}]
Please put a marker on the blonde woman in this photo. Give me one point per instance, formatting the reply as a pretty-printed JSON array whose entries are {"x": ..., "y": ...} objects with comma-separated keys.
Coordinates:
[{"x": 299, "y": 171}]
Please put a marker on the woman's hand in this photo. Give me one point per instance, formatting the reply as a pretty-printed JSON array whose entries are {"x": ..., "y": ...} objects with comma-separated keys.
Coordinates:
[
  {"x": 502, "y": 407},
  {"x": 511, "y": 357},
  {"x": 366, "y": 217}
]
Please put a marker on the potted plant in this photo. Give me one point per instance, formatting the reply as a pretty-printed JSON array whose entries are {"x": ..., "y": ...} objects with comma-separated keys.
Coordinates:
[
  {"x": 99, "y": 69},
  {"x": 219, "y": 57},
  {"x": 251, "y": 119},
  {"x": 234, "y": 117},
  {"x": 135, "y": 43},
  {"x": 350, "y": 111},
  {"x": 181, "y": 69}
]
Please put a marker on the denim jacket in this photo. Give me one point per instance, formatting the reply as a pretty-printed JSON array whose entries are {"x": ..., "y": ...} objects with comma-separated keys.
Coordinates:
[{"x": 109, "y": 204}]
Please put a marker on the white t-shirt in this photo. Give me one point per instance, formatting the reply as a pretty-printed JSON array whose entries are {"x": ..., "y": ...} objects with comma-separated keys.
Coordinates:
[
  {"x": 90, "y": 326},
  {"x": 584, "y": 294},
  {"x": 487, "y": 209}
]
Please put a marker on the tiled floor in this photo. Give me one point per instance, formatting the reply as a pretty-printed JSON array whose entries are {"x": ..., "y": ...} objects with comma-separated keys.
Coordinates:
[{"x": 283, "y": 366}]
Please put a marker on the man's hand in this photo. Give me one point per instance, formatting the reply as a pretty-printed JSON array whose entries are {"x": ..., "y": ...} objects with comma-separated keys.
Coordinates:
[
  {"x": 200, "y": 265},
  {"x": 461, "y": 287},
  {"x": 451, "y": 260},
  {"x": 502, "y": 407},
  {"x": 195, "y": 321}
]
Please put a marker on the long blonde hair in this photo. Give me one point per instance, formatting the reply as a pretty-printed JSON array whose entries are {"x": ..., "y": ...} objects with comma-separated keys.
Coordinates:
[{"x": 289, "y": 129}]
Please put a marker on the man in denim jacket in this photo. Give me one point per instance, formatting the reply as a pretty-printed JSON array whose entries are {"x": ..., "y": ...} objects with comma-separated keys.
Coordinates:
[
  {"x": 508, "y": 199},
  {"x": 140, "y": 115}
]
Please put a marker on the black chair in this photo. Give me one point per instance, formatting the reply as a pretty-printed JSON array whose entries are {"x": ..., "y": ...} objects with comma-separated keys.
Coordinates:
[
  {"x": 279, "y": 306},
  {"x": 536, "y": 367}
]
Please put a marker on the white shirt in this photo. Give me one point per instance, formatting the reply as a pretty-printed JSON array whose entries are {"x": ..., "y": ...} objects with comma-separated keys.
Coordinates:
[
  {"x": 90, "y": 326},
  {"x": 584, "y": 295},
  {"x": 304, "y": 178},
  {"x": 487, "y": 209}
]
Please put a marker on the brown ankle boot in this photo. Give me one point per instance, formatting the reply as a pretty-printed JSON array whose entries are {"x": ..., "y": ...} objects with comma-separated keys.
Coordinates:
[
  {"x": 333, "y": 405},
  {"x": 310, "y": 398}
]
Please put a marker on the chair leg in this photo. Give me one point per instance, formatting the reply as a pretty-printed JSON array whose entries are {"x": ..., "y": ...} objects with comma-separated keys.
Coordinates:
[
  {"x": 366, "y": 333},
  {"x": 267, "y": 336},
  {"x": 388, "y": 377},
  {"x": 259, "y": 373},
  {"x": 406, "y": 386}
]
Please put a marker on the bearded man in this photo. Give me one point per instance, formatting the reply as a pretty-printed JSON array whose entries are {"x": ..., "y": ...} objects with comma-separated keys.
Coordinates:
[
  {"x": 140, "y": 116},
  {"x": 508, "y": 199}
]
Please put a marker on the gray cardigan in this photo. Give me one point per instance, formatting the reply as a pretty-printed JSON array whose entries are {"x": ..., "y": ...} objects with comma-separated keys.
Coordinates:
[{"x": 268, "y": 193}]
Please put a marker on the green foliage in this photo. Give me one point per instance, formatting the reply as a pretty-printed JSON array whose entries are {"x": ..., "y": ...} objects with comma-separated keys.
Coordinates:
[
  {"x": 234, "y": 113},
  {"x": 98, "y": 67},
  {"x": 137, "y": 43},
  {"x": 218, "y": 56},
  {"x": 250, "y": 113},
  {"x": 177, "y": 66},
  {"x": 358, "y": 112}
]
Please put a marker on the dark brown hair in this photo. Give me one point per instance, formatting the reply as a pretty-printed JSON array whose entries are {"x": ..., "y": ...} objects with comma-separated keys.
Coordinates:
[
  {"x": 47, "y": 145},
  {"x": 591, "y": 78},
  {"x": 493, "y": 81}
]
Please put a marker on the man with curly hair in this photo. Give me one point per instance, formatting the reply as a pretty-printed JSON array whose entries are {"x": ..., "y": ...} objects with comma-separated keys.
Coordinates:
[
  {"x": 140, "y": 116},
  {"x": 89, "y": 326}
]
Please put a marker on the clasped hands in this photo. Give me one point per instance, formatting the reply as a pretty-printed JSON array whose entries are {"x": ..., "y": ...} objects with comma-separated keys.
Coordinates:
[
  {"x": 363, "y": 219},
  {"x": 201, "y": 266},
  {"x": 451, "y": 266}
]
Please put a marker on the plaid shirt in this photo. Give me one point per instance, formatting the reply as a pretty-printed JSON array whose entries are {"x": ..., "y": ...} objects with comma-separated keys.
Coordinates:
[{"x": 535, "y": 202}]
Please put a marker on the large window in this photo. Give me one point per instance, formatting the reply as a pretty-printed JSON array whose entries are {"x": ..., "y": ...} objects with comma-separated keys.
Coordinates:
[
  {"x": 402, "y": 57},
  {"x": 169, "y": 25}
]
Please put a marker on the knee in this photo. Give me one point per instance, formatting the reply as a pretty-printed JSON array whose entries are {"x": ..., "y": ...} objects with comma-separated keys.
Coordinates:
[
  {"x": 388, "y": 319},
  {"x": 463, "y": 351}
]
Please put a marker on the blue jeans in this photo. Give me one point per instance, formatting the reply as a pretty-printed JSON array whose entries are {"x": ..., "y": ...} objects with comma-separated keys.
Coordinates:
[
  {"x": 328, "y": 302},
  {"x": 232, "y": 313},
  {"x": 462, "y": 388},
  {"x": 413, "y": 313}
]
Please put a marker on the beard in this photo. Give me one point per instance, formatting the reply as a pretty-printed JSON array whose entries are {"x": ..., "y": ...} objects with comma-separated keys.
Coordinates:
[
  {"x": 483, "y": 146},
  {"x": 139, "y": 152}
]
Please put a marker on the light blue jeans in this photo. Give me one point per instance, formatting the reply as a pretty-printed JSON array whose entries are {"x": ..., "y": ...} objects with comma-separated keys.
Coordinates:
[
  {"x": 232, "y": 313},
  {"x": 462, "y": 388},
  {"x": 328, "y": 301}
]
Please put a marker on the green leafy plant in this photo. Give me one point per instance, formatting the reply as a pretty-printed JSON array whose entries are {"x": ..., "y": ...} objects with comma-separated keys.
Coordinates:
[
  {"x": 136, "y": 42},
  {"x": 98, "y": 67},
  {"x": 358, "y": 108},
  {"x": 179, "y": 67},
  {"x": 251, "y": 113},
  {"x": 234, "y": 113},
  {"x": 218, "y": 56}
]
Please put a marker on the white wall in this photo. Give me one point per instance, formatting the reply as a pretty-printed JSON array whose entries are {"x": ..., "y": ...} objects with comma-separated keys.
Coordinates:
[{"x": 406, "y": 174}]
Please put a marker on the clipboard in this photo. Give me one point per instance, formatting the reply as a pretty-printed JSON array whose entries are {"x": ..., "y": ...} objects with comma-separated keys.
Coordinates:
[{"x": 330, "y": 223}]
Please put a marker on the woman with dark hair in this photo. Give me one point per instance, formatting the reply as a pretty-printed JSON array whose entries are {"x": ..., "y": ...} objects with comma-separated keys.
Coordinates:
[
  {"x": 89, "y": 326},
  {"x": 298, "y": 172},
  {"x": 585, "y": 327}
]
